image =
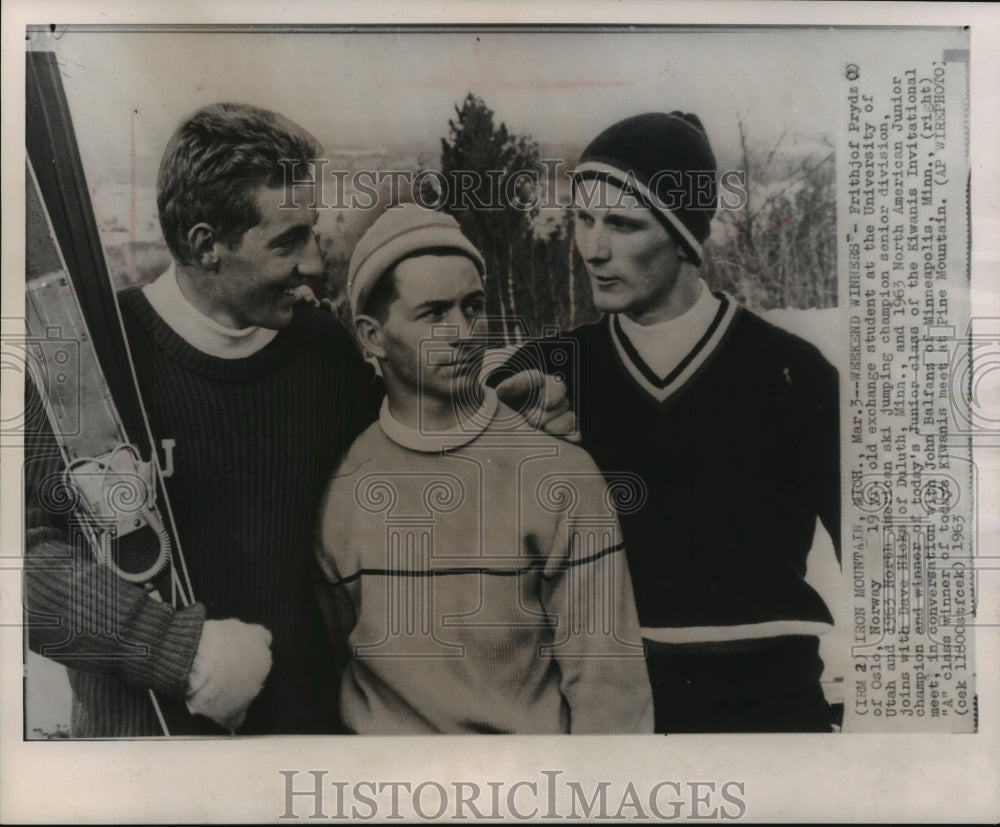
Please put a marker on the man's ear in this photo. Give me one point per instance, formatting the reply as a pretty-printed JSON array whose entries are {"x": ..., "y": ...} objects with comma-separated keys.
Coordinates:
[
  {"x": 201, "y": 239},
  {"x": 369, "y": 330}
]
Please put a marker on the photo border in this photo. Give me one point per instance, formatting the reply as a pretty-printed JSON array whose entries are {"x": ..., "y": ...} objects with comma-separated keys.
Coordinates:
[{"x": 786, "y": 777}]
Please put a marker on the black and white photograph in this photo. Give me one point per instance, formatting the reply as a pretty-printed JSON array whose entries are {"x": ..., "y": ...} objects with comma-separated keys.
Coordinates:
[{"x": 625, "y": 377}]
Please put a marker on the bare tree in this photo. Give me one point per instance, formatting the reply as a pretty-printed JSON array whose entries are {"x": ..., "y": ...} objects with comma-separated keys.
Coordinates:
[{"x": 779, "y": 248}]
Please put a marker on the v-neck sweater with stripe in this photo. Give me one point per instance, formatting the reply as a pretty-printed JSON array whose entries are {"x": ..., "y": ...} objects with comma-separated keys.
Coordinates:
[
  {"x": 663, "y": 346},
  {"x": 738, "y": 449},
  {"x": 490, "y": 587}
]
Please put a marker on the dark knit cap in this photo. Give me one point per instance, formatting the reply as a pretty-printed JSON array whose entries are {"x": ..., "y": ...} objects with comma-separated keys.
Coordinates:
[{"x": 665, "y": 161}]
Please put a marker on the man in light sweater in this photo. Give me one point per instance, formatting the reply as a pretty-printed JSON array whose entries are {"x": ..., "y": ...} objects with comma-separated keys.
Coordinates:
[{"x": 482, "y": 559}]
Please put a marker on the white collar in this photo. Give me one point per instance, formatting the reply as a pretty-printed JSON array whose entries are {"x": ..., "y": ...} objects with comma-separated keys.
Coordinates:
[
  {"x": 661, "y": 386},
  {"x": 662, "y": 345},
  {"x": 197, "y": 329},
  {"x": 434, "y": 442}
]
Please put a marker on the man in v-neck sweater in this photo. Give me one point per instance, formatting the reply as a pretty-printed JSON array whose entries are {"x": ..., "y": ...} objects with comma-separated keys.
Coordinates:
[{"x": 731, "y": 423}]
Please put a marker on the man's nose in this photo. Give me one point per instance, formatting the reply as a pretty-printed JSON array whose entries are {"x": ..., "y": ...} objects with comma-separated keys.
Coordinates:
[
  {"x": 311, "y": 264},
  {"x": 593, "y": 244},
  {"x": 460, "y": 326},
  {"x": 454, "y": 328}
]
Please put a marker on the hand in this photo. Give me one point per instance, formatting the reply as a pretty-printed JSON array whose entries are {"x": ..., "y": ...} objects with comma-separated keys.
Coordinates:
[
  {"x": 542, "y": 400},
  {"x": 229, "y": 669},
  {"x": 304, "y": 295}
]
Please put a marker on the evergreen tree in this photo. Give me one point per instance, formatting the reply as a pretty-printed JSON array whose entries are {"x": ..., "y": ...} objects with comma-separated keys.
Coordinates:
[{"x": 490, "y": 174}]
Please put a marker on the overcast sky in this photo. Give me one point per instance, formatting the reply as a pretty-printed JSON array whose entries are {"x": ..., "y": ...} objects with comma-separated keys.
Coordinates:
[{"x": 398, "y": 89}]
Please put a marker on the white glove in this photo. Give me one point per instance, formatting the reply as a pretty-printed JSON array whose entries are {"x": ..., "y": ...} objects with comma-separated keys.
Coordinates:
[{"x": 229, "y": 669}]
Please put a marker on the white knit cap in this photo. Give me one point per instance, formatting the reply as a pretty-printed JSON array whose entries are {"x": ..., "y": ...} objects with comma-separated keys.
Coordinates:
[{"x": 400, "y": 232}]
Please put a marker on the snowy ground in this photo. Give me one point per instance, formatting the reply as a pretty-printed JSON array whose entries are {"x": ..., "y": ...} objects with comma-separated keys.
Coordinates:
[
  {"x": 47, "y": 691},
  {"x": 822, "y": 328},
  {"x": 46, "y": 696}
]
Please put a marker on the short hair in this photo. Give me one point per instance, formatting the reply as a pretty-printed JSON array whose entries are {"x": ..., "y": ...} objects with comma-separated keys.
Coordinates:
[{"x": 214, "y": 164}]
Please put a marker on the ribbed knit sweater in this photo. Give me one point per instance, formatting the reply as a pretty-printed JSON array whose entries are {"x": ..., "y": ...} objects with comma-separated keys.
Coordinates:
[
  {"x": 489, "y": 584},
  {"x": 255, "y": 440}
]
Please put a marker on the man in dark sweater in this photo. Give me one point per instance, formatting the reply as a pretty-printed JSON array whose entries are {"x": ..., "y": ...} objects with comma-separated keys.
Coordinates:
[
  {"x": 258, "y": 398},
  {"x": 731, "y": 423},
  {"x": 251, "y": 399}
]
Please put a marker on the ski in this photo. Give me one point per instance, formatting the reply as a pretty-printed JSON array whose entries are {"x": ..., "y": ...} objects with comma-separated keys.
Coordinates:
[{"x": 82, "y": 369}]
